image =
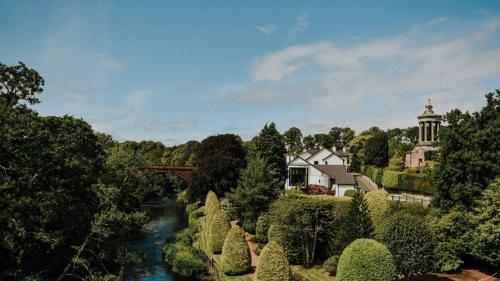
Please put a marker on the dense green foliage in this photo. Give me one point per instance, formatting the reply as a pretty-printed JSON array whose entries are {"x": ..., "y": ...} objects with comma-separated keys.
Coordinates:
[
  {"x": 217, "y": 233},
  {"x": 330, "y": 265},
  {"x": 236, "y": 258},
  {"x": 469, "y": 156},
  {"x": 255, "y": 192},
  {"x": 401, "y": 181},
  {"x": 350, "y": 193},
  {"x": 308, "y": 219},
  {"x": 410, "y": 243},
  {"x": 273, "y": 264},
  {"x": 293, "y": 140},
  {"x": 379, "y": 206},
  {"x": 366, "y": 259},
  {"x": 182, "y": 258},
  {"x": 212, "y": 206},
  {"x": 289, "y": 239},
  {"x": 359, "y": 221},
  {"x": 262, "y": 228},
  {"x": 220, "y": 160},
  {"x": 271, "y": 148},
  {"x": 483, "y": 238},
  {"x": 377, "y": 150}
]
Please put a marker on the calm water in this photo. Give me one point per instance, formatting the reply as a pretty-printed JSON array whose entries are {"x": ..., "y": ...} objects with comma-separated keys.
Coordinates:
[{"x": 166, "y": 217}]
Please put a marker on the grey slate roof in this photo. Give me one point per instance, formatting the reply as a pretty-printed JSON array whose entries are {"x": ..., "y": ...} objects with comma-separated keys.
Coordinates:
[{"x": 338, "y": 172}]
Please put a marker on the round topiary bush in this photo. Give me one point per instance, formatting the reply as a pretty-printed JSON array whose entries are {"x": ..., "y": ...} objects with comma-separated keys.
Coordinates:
[
  {"x": 330, "y": 265},
  {"x": 289, "y": 241},
  {"x": 261, "y": 228},
  {"x": 236, "y": 257},
  {"x": 350, "y": 193},
  {"x": 273, "y": 264},
  {"x": 379, "y": 207},
  {"x": 366, "y": 259},
  {"x": 219, "y": 227}
]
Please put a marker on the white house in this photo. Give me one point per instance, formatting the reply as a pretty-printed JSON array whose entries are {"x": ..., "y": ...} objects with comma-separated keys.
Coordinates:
[{"x": 325, "y": 167}]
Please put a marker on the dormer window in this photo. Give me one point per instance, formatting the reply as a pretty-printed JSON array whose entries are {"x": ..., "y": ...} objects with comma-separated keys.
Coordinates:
[{"x": 315, "y": 162}]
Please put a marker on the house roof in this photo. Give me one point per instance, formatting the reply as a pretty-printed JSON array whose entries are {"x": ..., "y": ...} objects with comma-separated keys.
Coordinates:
[{"x": 338, "y": 172}]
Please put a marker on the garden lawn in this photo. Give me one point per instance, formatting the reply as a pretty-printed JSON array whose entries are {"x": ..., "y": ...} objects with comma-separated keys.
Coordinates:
[{"x": 312, "y": 274}]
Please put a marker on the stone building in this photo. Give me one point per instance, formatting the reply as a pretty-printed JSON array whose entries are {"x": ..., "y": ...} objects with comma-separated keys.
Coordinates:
[{"x": 428, "y": 133}]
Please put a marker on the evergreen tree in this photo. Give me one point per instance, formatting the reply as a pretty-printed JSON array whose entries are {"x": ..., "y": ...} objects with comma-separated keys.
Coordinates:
[
  {"x": 396, "y": 164},
  {"x": 255, "y": 192},
  {"x": 469, "y": 158},
  {"x": 377, "y": 150},
  {"x": 271, "y": 148},
  {"x": 355, "y": 160},
  {"x": 360, "y": 222}
]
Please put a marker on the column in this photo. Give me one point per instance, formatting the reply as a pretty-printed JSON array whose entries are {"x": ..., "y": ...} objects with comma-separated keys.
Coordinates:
[
  {"x": 437, "y": 130},
  {"x": 420, "y": 132},
  {"x": 425, "y": 131},
  {"x": 432, "y": 130}
]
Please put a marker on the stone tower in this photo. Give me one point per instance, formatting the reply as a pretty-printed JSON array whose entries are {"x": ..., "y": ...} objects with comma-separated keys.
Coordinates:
[{"x": 428, "y": 133}]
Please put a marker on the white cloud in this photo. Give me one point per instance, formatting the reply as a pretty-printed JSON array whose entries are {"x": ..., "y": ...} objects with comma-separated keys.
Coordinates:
[
  {"x": 301, "y": 24},
  {"x": 268, "y": 28},
  {"x": 384, "y": 81}
]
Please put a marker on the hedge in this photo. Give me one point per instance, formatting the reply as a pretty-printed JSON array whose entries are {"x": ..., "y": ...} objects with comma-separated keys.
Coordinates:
[
  {"x": 330, "y": 265},
  {"x": 236, "y": 257},
  {"x": 219, "y": 227},
  {"x": 366, "y": 259},
  {"x": 399, "y": 180},
  {"x": 289, "y": 241},
  {"x": 379, "y": 207},
  {"x": 350, "y": 193},
  {"x": 182, "y": 257},
  {"x": 212, "y": 205},
  {"x": 273, "y": 264},
  {"x": 262, "y": 228}
]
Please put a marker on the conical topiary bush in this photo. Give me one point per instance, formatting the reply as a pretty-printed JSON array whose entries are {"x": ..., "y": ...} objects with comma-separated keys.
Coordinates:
[
  {"x": 236, "y": 257},
  {"x": 273, "y": 264},
  {"x": 219, "y": 227},
  {"x": 212, "y": 205}
]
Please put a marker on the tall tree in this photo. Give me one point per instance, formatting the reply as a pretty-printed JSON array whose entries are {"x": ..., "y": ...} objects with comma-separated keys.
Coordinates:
[
  {"x": 271, "y": 148},
  {"x": 220, "y": 160},
  {"x": 309, "y": 142},
  {"x": 347, "y": 136},
  {"x": 323, "y": 140},
  {"x": 256, "y": 190},
  {"x": 376, "y": 150},
  {"x": 359, "y": 223},
  {"x": 469, "y": 158},
  {"x": 293, "y": 140},
  {"x": 334, "y": 135}
]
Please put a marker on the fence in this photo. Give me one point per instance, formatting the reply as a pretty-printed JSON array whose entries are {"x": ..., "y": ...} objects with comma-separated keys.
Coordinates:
[{"x": 405, "y": 198}]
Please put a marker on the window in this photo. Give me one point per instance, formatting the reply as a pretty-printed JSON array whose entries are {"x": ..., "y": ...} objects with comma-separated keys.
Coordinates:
[
  {"x": 326, "y": 162},
  {"x": 297, "y": 177},
  {"x": 315, "y": 162}
]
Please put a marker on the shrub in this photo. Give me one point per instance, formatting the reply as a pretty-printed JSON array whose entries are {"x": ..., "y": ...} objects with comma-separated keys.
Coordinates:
[
  {"x": 290, "y": 242},
  {"x": 210, "y": 202},
  {"x": 410, "y": 243},
  {"x": 273, "y": 264},
  {"x": 390, "y": 179},
  {"x": 219, "y": 227},
  {"x": 416, "y": 183},
  {"x": 411, "y": 208},
  {"x": 350, "y": 193},
  {"x": 330, "y": 265},
  {"x": 366, "y": 259},
  {"x": 189, "y": 263},
  {"x": 379, "y": 206},
  {"x": 262, "y": 228},
  {"x": 191, "y": 208},
  {"x": 236, "y": 257}
]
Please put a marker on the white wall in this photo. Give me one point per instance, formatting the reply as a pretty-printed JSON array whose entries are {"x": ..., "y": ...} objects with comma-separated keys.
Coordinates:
[
  {"x": 319, "y": 156},
  {"x": 341, "y": 189},
  {"x": 335, "y": 160},
  {"x": 317, "y": 177}
]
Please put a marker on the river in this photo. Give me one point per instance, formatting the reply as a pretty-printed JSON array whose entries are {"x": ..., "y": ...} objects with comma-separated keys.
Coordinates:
[{"x": 166, "y": 217}]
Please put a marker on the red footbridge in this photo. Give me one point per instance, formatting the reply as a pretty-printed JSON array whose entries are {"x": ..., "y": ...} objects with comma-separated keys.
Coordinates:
[{"x": 184, "y": 172}]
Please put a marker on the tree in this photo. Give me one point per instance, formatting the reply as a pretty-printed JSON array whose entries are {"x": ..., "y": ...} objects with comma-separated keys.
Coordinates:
[
  {"x": 360, "y": 223},
  {"x": 236, "y": 258},
  {"x": 323, "y": 140},
  {"x": 376, "y": 150},
  {"x": 410, "y": 242},
  {"x": 271, "y": 148},
  {"x": 468, "y": 160},
  {"x": 334, "y": 135},
  {"x": 366, "y": 259},
  {"x": 256, "y": 190},
  {"x": 293, "y": 140},
  {"x": 219, "y": 227},
  {"x": 347, "y": 136},
  {"x": 484, "y": 234},
  {"x": 220, "y": 160},
  {"x": 273, "y": 264},
  {"x": 355, "y": 160},
  {"x": 19, "y": 83},
  {"x": 396, "y": 163},
  {"x": 309, "y": 142}
]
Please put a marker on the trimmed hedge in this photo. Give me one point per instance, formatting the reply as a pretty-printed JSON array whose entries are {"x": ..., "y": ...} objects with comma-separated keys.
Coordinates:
[
  {"x": 236, "y": 257},
  {"x": 379, "y": 207},
  {"x": 219, "y": 227},
  {"x": 330, "y": 265},
  {"x": 212, "y": 205},
  {"x": 350, "y": 193},
  {"x": 366, "y": 259},
  {"x": 273, "y": 264},
  {"x": 399, "y": 180},
  {"x": 262, "y": 228},
  {"x": 289, "y": 241}
]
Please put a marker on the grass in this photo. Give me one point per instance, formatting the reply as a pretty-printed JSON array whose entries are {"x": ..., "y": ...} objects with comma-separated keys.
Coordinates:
[{"x": 312, "y": 274}]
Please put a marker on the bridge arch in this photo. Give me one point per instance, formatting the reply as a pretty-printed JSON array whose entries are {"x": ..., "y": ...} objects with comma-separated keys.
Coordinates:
[{"x": 184, "y": 172}]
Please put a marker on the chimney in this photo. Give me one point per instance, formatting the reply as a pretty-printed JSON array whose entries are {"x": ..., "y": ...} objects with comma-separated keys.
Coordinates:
[
  {"x": 334, "y": 148},
  {"x": 343, "y": 149}
]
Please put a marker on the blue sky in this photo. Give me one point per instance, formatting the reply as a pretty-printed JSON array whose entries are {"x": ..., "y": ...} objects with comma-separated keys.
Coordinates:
[{"x": 179, "y": 70}]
